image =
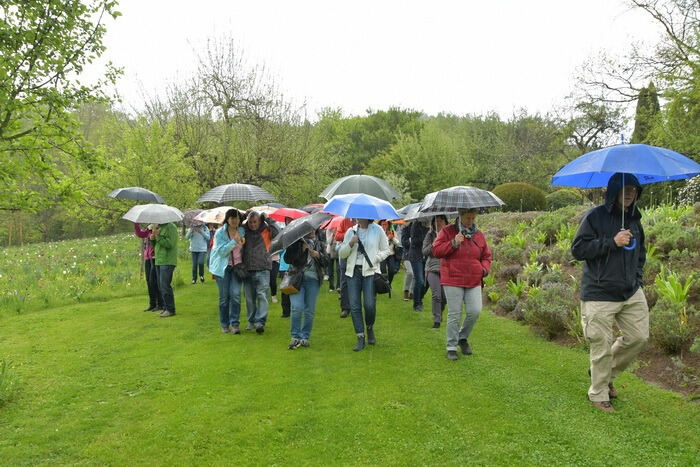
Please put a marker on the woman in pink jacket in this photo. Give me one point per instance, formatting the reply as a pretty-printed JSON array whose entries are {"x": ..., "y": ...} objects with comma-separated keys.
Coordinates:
[
  {"x": 465, "y": 261},
  {"x": 154, "y": 297}
]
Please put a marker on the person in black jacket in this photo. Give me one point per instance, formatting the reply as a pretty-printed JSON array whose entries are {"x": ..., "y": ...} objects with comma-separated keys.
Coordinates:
[
  {"x": 610, "y": 241},
  {"x": 307, "y": 255},
  {"x": 259, "y": 231},
  {"x": 415, "y": 256}
]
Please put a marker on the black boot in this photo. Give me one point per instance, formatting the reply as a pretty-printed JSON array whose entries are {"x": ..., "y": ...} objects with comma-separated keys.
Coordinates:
[
  {"x": 370, "y": 336},
  {"x": 360, "y": 344}
]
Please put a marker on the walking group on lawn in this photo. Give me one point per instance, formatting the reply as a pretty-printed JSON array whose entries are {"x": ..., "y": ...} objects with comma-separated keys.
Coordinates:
[{"x": 442, "y": 250}]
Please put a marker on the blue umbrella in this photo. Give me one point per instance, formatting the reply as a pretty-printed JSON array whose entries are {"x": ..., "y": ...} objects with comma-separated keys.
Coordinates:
[
  {"x": 650, "y": 164},
  {"x": 360, "y": 206}
]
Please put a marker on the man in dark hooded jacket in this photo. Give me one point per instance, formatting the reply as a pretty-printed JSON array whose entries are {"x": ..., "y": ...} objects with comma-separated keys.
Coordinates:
[
  {"x": 259, "y": 231},
  {"x": 610, "y": 241}
]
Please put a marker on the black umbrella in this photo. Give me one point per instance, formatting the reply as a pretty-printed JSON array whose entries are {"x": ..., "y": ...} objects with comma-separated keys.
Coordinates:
[
  {"x": 297, "y": 229},
  {"x": 236, "y": 192},
  {"x": 137, "y": 194},
  {"x": 189, "y": 217}
]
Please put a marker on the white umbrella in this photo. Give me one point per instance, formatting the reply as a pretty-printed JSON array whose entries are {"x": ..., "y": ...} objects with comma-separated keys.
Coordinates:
[
  {"x": 214, "y": 215},
  {"x": 236, "y": 192},
  {"x": 153, "y": 214}
]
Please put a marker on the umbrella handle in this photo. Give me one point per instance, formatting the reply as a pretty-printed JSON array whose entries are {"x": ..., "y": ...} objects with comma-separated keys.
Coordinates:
[{"x": 632, "y": 245}]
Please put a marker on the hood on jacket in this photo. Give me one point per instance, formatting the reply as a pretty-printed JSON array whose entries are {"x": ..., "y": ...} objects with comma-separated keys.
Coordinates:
[{"x": 614, "y": 187}]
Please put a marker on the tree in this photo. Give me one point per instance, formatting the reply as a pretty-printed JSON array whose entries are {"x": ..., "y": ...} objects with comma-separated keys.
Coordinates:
[
  {"x": 592, "y": 125},
  {"x": 646, "y": 113},
  {"x": 45, "y": 44}
]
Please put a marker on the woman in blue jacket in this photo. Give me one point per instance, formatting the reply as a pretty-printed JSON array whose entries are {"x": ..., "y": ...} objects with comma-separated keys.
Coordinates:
[{"x": 225, "y": 256}]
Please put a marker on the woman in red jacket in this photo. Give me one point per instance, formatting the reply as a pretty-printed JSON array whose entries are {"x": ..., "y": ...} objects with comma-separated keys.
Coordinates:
[{"x": 465, "y": 261}]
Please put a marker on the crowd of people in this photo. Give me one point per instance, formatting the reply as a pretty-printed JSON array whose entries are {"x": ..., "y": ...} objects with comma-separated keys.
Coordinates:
[
  {"x": 347, "y": 254},
  {"x": 451, "y": 258}
]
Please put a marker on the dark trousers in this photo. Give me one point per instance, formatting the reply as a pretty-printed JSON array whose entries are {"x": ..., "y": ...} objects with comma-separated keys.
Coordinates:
[
  {"x": 154, "y": 298},
  {"x": 198, "y": 263},
  {"x": 286, "y": 305},
  {"x": 332, "y": 267},
  {"x": 418, "y": 282},
  {"x": 165, "y": 279},
  {"x": 273, "y": 277},
  {"x": 388, "y": 267},
  {"x": 344, "y": 297}
]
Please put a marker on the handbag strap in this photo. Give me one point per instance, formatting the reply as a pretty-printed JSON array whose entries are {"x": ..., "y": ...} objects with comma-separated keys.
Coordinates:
[{"x": 362, "y": 250}]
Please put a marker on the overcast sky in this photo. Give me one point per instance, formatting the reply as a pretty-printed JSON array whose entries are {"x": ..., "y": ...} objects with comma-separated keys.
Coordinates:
[{"x": 435, "y": 56}]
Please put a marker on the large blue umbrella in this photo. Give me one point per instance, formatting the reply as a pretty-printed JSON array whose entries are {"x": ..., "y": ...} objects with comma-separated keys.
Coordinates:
[
  {"x": 360, "y": 206},
  {"x": 650, "y": 164}
]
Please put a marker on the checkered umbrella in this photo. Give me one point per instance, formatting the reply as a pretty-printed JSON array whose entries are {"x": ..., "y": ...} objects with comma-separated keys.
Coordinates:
[
  {"x": 189, "y": 217},
  {"x": 366, "y": 184},
  {"x": 137, "y": 193},
  {"x": 459, "y": 197},
  {"x": 236, "y": 192}
]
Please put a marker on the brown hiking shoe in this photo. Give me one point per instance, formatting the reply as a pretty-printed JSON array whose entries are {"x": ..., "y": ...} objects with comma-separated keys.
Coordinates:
[
  {"x": 605, "y": 406},
  {"x": 612, "y": 393}
]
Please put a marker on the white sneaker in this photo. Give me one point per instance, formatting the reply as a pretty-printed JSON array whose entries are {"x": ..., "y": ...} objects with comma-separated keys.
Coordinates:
[
  {"x": 250, "y": 327},
  {"x": 325, "y": 277},
  {"x": 274, "y": 299}
]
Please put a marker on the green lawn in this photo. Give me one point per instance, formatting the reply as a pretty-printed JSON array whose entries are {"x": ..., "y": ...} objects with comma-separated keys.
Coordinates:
[{"x": 104, "y": 382}]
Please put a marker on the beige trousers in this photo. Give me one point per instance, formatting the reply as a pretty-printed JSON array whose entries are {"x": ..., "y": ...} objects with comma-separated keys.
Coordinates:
[{"x": 608, "y": 358}]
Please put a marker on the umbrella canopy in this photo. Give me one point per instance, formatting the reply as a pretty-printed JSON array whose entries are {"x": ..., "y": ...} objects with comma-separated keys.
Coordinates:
[
  {"x": 236, "y": 192},
  {"x": 366, "y": 184},
  {"x": 153, "y": 214},
  {"x": 333, "y": 223},
  {"x": 312, "y": 208},
  {"x": 361, "y": 206},
  {"x": 297, "y": 229},
  {"x": 282, "y": 213},
  {"x": 406, "y": 209},
  {"x": 650, "y": 164},
  {"x": 263, "y": 209},
  {"x": 137, "y": 194},
  {"x": 214, "y": 215},
  {"x": 458, "y": 197},
  {"x": 189, "y": 217}
]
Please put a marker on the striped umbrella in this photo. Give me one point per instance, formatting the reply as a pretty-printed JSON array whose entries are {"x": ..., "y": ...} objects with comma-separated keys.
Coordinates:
[
  {"x": 459, "y": 197},
  {"x": 236, "y": 192}
]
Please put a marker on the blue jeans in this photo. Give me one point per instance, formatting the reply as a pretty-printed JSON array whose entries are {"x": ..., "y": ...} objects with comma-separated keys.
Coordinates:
[
  {"x": 165, "y": 279},
  {"x": 362, "y": 285},
  {"x": 418, "y": 282},
  {"x": 304, "y": 307},
  {"x": 198, "y": 261},
  {"x": 229, "y": 298},
  {"x": 257, "y": 286}
]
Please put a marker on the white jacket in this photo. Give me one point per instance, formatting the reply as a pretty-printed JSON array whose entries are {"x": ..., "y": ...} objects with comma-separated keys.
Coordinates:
[{"x": 376, "y": 246}]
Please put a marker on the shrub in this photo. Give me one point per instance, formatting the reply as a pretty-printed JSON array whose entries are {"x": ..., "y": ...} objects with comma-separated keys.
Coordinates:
[
  {"x": 520, "y": 196},
  {"x": 550, "y": 223},
  {"x": 549, "y": 310},
  {"x": 508, "y": 302},
  {"x": 562, "y": 198},
  {"x": 532, "y": 273},
  {"x": 690, "y": 193},
  {"x": 553, "y": 276},
  {"x": 669, "y": 330},
  {"x": 509, "y": 253},
  {"x": 509, "y": 273}
]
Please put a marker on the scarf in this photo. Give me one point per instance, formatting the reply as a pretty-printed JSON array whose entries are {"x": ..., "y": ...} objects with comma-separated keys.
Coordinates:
[{"x": 468, "y": 232}]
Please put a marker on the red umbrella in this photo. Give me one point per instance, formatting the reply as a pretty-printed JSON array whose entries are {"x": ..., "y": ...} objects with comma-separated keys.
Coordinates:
[
  {"x": 333, "y": 223},
  {"x": 281, "y": 213}
]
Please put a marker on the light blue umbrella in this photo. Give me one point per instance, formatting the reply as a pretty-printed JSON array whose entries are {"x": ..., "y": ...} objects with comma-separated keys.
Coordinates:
[
  {"x": 650, "y": 164},
  {"x": 361, "y": 206}
]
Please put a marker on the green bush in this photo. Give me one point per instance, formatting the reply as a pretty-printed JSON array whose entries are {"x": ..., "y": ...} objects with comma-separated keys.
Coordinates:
[
  {"x": 549, "y": 310},
  {"x": 509, "y": 253},
  {"x": 508, "y": 302},
  {"x": 562, "y": 198},
  {"x": 551, "y": 223},
  {"x": 669, "y": 326},
  {"x": 509, "y": 273},
  {"x": 520, "y": 196}
]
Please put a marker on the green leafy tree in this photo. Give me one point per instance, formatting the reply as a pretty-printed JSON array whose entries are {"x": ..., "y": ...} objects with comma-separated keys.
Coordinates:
[{"x": 45, "y": 45}]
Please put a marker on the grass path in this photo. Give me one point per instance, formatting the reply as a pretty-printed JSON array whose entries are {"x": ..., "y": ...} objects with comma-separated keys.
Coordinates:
[{"x": 107, "y": 383}]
